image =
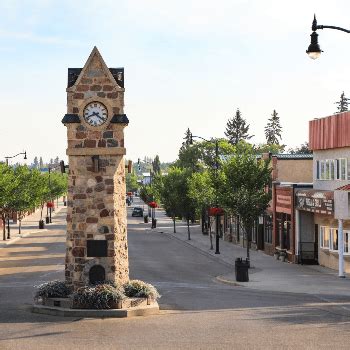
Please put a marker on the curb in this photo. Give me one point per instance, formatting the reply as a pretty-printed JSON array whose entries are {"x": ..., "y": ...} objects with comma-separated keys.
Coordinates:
[
  {"x": 83, "y": 313},
  {"x": 230, "y": 282}
]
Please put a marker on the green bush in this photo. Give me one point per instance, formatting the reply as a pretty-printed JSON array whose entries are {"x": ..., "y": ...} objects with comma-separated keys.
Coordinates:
[
  {"x": 140, "y": 289},
  {"x": 99, "y": 296},
  {"x": 53, "y": 289}
]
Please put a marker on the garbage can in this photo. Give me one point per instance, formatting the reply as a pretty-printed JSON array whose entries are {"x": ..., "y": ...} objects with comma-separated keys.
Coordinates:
[
  {"x": 145, "y": 219},
  {"x": 241, "y": 268},
  {"x": 41, "y": 224},
  {"x": 47, "y": 220}
]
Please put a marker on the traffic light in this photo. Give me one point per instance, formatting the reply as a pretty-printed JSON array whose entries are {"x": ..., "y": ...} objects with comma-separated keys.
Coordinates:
[{"x": 138, "y": 164}]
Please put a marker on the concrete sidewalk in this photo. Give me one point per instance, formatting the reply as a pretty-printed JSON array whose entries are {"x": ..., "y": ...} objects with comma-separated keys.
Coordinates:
[
  {"x": 30, "y": 224},
  {"x": 266, "y": 273}
]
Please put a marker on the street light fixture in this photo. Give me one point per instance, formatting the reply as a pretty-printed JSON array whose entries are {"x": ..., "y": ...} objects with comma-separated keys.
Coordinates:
[
  {"x": 216, "y": 168},
  {"x": 9, "y": 157},
  {"x": 314, "y": 50}
]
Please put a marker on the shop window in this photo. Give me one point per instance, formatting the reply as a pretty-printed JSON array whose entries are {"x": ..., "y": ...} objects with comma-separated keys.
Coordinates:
[
  {"x": 343, "y": 170},
  {"x": 324, "y": 237},
  {"x": 333, "y": 239},
  {"x": 332, "y": 169}
]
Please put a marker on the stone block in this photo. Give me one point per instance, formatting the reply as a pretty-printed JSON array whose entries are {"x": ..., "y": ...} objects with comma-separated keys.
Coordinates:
[
  {"x": 78, "y": 251},
  {"x": 104, "y": 213},
  {"x": 108, "y": 87},
  {"x": 78, "y": 96},
  {"x": 91, "y": 220},
  {"x": 96, "y": 88}
]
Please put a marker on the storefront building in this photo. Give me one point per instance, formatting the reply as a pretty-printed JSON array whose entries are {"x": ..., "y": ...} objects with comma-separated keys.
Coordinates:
[
  {"x": 329, "y": 138},
  {"x": 313, "y": 209},
  {"x": 291, "y": 168}
]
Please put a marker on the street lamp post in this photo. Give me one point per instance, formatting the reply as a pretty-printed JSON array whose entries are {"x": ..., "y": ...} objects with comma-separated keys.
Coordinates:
[
  {"x": 9, "y": 157},
  {"x": 216, "y": 168},
  {"x": 7, "y": 163},
  {"x": 314, "y": 50}
]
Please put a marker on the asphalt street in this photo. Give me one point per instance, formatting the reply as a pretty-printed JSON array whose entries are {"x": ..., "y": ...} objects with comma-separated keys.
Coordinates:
[{"x": 197, "y": 311}]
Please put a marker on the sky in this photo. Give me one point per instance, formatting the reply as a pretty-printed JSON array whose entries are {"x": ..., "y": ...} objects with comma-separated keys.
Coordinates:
[{"x": 188, "y": 64}]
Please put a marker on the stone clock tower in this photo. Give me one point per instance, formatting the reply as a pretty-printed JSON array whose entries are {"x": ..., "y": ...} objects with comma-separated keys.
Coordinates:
[{"x": 96, "y": 247}]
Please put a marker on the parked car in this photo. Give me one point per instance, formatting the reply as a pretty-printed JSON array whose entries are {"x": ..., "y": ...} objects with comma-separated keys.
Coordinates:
[{"x": 137, "y": 211}]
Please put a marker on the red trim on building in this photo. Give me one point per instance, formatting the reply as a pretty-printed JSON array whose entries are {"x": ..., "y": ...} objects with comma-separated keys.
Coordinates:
[{"x": 330, "y": 132}]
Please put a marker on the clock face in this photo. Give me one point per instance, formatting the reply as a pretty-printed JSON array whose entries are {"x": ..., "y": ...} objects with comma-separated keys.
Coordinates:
[{"x": 95, "y": 113}]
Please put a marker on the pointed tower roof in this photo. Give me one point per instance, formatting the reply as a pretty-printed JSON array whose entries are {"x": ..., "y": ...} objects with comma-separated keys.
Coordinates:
[{"x": 116, "y": 75}]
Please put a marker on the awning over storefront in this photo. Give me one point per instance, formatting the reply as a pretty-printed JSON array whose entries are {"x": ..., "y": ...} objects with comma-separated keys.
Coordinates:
[{"x": 315, "y": 201}]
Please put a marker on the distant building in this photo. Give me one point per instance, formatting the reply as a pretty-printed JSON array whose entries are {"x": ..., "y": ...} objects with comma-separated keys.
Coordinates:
[{"x": 146, "y": 178}]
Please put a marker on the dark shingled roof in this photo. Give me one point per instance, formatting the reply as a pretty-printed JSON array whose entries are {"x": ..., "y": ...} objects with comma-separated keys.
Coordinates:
[
  {"x": 290, "y": 156},
  {"x": 118, "y": 75},
  {"x": 70, "y": 118},
  {"x": 120, "y": 119},
  {"x": 294, "y": 156}
]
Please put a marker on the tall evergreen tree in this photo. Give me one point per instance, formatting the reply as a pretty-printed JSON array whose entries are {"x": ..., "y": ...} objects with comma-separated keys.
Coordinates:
[
  {"x": 156, "y": 165},
  {"x": 237, "y": 129},
  {"x": 41, "y": 163},
  {"x": 342, "y": 105},
  {"x": 35, "y": 163},
  {"x": 188, "y": 137},
  {"x": 273, "y": 129}
]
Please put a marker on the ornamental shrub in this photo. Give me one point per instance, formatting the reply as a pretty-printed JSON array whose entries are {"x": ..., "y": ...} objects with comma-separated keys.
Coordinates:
[
  {"x": 99, "y": 296},
  {"x": 140, "y": 289},
  {"x": 53, "y": 289}
]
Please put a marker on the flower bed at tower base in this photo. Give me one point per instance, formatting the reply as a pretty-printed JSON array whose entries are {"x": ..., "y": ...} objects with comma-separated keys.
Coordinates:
[
  {"x": 134, "y": 298},
  {"x": 140, "y": 310}
]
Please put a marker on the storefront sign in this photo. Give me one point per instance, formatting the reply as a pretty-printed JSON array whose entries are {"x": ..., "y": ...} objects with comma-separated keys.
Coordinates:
[
  {"x": 284, "y": 200},
  {"x": 321, "y": 202}
]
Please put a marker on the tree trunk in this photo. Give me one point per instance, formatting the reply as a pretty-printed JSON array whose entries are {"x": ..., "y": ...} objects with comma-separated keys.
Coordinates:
[
  {"x": 8, "y": 227},
  {"x": 174, "y": 219},
  {"x": 210, "y": 236},
  {"x": 248, "y": 233},
  {"x": 19, "y": 226},
  {"x": 188, "y": 229},
  {"x": 3, "y": 227}
]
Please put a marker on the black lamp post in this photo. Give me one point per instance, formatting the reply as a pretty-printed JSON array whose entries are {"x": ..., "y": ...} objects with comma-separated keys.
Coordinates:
[
  {"x": 9, "y": 157},
  {"x": 7, "y": 163},
  {"x": 216, "y": 168},
  {"x": 314, "y": 50}
]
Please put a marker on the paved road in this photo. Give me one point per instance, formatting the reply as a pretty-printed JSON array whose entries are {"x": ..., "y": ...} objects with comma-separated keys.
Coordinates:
[{"x": 198, "y": 312}]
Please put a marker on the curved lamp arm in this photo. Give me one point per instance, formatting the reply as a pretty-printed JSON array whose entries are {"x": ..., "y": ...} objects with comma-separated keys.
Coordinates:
[{"x": 314, "y": 50}]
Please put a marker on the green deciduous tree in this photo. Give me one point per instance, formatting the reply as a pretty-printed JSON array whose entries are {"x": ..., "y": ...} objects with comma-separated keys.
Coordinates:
[
  {"x": 268, "y": 148},
  {"x": 131, "y": 182},
  {"x": 247, "y": 180},
  {"x": 7, "y": 185},
  {"x": 302, "y": 149},
  {"x": 273, "y": 129},
  {"x": 237, "y": 129}
]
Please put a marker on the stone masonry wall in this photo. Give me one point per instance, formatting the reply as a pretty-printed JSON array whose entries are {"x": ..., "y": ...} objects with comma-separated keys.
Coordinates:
[{"x": 96, "y": 200}]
